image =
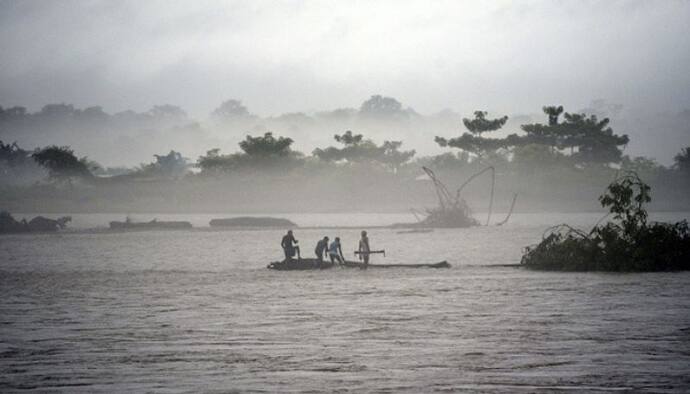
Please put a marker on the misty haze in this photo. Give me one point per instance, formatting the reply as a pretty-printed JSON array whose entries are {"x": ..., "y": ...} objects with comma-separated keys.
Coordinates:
[{"x": 320, "y": 196}]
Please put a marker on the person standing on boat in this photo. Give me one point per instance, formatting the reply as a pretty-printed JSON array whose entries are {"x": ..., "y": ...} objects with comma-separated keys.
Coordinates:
[
  {"x": 289, "y": 247},
  {"x": 364, "y": 248},
  {"x": 335, "y": 252},
  {"x": 321, "y": 249}
]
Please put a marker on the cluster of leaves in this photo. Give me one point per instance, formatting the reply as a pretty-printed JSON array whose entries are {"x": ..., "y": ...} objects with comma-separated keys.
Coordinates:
[
  {"x": 258, "y": 153},
  {"x": 172, "y": 165},
  {"x": 473, "y": 142},
  {"x": 378, "y": 106},
  {"x": 11, "y": 155},
  {"x": 480, "y": 124},
  {"x": 682, "y": 160},
  {"x": 356, "y": 149},
  {"x": 589, "y": 139},
  {"x": 62, "y": 164},
  {"x": 628, "y": 243}
]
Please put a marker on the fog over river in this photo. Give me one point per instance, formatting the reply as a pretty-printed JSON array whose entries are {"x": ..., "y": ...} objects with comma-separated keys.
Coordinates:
[{"x": 196, "y": 310}]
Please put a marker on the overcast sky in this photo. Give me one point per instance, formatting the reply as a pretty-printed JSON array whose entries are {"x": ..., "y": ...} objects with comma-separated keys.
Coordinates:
[{"x": 306, "y": 56}]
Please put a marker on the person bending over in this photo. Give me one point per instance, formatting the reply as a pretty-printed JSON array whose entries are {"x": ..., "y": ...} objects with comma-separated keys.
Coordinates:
[
  {"x": 335, "y": 252},
  {"x": 321, "y": 249}
]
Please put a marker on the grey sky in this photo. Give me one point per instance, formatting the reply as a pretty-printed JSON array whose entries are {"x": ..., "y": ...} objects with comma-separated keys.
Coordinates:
[{"x": 305, "y": 56}]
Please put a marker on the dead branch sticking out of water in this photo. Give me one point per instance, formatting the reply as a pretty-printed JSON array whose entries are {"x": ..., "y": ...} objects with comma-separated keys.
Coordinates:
[{"x": 453, "y": 211}]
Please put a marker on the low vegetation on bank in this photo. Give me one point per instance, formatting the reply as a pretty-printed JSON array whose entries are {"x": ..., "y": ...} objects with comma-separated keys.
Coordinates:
[{"x": 629, "y": 242}]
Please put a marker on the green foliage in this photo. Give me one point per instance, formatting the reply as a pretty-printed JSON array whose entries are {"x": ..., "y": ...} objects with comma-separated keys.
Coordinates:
[
  {"x": 628, "y": 243},
  {"x": 61, "y": 163}
]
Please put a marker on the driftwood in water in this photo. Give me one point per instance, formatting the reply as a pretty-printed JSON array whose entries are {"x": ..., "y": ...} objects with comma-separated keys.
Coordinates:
[
  {"x": 39, "y": 224},
  {"x": 152, "y": 225},
  {"x": 314, "y": 264},
  {"x": 249, "y": 221},
  {"x": 453, "y": 211},
  {"x": 510, "y": 212},
  {"x": 416, "y": 231}
]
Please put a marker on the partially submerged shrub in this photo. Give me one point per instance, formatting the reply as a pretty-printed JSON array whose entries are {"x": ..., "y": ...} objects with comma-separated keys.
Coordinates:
[{"x": 628, "y": 243}]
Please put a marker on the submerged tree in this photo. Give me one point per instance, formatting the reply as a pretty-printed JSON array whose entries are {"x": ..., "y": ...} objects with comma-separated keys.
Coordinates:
[{"x": 627, "y": 243}]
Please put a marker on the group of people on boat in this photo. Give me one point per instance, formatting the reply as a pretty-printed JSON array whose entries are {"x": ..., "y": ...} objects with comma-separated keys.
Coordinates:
[{"x": 323, "y": 248}]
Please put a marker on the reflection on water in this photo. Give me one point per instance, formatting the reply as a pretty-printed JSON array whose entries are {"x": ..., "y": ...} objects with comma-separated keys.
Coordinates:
[{"x": 197, "y": 311}]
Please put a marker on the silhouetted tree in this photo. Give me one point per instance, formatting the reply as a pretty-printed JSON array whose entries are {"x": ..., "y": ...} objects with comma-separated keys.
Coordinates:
[
  {"x": 258, "y": 153},
  {"x": 378, "y": 106},
  {"x": 553, "y": 112},
  {"x": 230, "y": 109},
  {"x": 589, "y": 139},
  {"x": 266, "y": 145},
  {"x": 168, "y": 112},
  {"x": 57, "y": 111},
  {"x": 11, "y": 155},
  {"x": 12, "y": 113},
  {"x": 61, "y": 163},
  {"x": 480, "y": 124},
  {"x": 473, "y": 142},
  {"x": 171, "y": 165},
  {"x": 682, "y": 161},
  {"x": 357, "y": 149},
  {"x": 643, "y": 166}
]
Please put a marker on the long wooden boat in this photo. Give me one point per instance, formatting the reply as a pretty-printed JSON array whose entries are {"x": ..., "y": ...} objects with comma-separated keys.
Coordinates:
[{"x": 314, "y": 264}]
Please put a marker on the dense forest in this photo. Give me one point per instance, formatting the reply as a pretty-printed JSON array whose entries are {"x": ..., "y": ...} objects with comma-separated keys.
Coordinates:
[{"x": 555, "y": 163}]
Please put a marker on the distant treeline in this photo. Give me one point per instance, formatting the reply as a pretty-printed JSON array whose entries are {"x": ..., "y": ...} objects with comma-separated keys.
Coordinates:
[{"x": 566, "y": 151}]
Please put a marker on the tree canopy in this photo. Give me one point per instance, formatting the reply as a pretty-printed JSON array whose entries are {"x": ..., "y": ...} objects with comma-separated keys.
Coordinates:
[
  {"x": 356, "y": 149},
  {"x": 61, "y": 163},
  {"x": 262, "y": 152},
  {"x": 378, "y": 106},
  {"x": 266, "y": 145},
  {"x": 230, "y": 109},
  {"x": 473, "y": 142},
  {"x": 480, "y": 124}
]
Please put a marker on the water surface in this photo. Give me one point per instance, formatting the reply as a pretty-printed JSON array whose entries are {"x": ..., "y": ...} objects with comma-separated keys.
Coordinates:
[{"x": 196, "y": 310}]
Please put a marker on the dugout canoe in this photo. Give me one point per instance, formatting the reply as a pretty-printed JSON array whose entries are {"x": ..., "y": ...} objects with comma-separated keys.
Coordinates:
[{"x": 314, "y": 264}]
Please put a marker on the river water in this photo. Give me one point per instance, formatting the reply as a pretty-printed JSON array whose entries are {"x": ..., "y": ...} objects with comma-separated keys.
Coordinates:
[{"x": 197, "y": 311}]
